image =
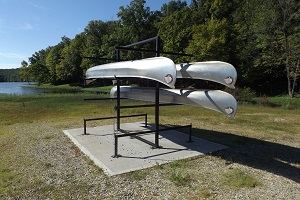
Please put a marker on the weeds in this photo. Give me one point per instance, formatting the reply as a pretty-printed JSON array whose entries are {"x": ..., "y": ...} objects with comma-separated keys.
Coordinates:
[
  {"x": 179, "y": 175},
  {"x": 238, "y": 178},
  {"x": 180, "y": 178}
]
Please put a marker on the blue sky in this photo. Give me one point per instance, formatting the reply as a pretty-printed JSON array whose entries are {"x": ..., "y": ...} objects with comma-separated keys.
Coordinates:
[{"x": 27, "y": 26}]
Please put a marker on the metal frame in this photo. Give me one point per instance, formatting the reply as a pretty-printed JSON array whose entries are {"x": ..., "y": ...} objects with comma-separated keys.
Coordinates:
[
  {"x": 122, "y": 133},
  {"x": 118, "y": 133},
  {"x": 104, "y": 118}
]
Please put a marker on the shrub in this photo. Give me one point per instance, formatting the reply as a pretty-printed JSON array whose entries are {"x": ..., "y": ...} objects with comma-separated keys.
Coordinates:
[{"x": 242, "y": 94}]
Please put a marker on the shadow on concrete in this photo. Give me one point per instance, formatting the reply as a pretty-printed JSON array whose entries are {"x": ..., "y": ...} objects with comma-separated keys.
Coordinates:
[{"x": 272, "y": 157}]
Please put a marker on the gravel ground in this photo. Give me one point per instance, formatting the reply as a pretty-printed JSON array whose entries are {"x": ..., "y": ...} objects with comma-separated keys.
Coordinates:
[{"x": 47, "y": 165}]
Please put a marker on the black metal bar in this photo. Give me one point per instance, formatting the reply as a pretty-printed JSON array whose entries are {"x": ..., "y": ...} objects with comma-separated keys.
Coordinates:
[
  {"x": 141, "y": 42},
  {"x": 157, "y": 115},
  {"x": 84, "y": 125},
  {"x": 118, "y": 111},
  {"x": 156, "y": 140},
  {"x": 154, "y": 51},
  {"x": 190, "y": 135},
  {"x": 117, "y": 55},
  {"x": 99, "y": 58},
  {"x": 116, "y": 147},
  {"x": 118, "y": 104},
  {"x": 94, "y": 99},
  {"x": 124, "y": 116},
  {"x": 150, "y": 131},
  {"x": 147, "y": 105},
  {"x": 104, "y": 118},
  {"x": 146, "y": 120}
]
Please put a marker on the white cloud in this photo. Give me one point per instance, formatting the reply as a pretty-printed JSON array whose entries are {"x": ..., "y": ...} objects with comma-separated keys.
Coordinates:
[
  {"x": 9, "y": 65},
  {"x": 13, "y": 55},
  {"x": 26, "y": 26}
]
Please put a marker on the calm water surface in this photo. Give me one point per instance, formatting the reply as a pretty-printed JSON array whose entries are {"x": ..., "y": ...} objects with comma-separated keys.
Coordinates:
[{"x": 18, "y": 88}]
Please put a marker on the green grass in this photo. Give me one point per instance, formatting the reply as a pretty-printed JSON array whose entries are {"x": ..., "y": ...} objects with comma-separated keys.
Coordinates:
[
  {"x": 238, "y": 178},
  {"x": 28, "y": 121},
  {"x": 69, "y": 88},
  {"x": 284, "y": 102},
  {"x": 180, "y": 178}
]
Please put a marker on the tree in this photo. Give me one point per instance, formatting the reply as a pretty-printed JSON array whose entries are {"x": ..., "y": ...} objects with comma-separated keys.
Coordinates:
[
  {"x": 176, "y": 30},
  {"x": 99, "y": 40},
  {"x": 194, "y": 4},
  {"x": 288, "y": 40},
  {"x": 52, "y": 60},
  {"x": 210, "y": 41},
  {"x": 137, "y": 23},
  {"x": 277, "y": 39},
  {"x": 24, "y": 71},
  {"x": 173, "y": 6},
  {"x": 69, "y": 69},
  {"x": 37, "y": 67}
]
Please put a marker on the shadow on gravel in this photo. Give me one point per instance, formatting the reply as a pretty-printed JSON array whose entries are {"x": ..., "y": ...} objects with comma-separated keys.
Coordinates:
[{"x": 271, "y": 157}]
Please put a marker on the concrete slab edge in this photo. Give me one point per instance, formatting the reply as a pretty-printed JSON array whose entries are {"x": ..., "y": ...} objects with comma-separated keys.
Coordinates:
[{"x": 89, "y": 154}]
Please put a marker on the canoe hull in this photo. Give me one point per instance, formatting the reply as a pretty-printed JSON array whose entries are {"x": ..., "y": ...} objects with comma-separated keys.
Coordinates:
[
  {"x": 216, "y": 100},
  {"x": 159, "y": 69},
  {"x": 217, "y": 71}
]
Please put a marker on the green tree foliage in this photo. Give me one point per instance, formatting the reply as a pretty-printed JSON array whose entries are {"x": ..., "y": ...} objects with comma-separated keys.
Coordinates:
[
  {"x": 37, "y": 69},
  {"x": 259, "y": 37},
  {"x": 24, "y": 72},
  {"x": 137, "y": 23},
  {"x": 173, "y": 6},
  {"x": 211, "y": 41},
  {"x": 10, "y": 75},
  {"x": 69, "y": 69},
  {"x": 176, "y": 27},
  {"x": 98, "y": 41}
]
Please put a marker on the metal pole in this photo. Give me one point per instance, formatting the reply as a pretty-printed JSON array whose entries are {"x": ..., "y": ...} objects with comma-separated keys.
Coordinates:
[
  {"x": 146, "y": 120},
  {"x": 190, "y": 135},
  {"x": 157, "y": 115},
  {"x": 157, "y": 100},
  {"x": 84, "y": 126},
  {"x": 157, "y": 46},
  {"x": 116, "y": 147},
  {"x": 118, "y": 109},
  {"x": 117, "y": 55},
  {"x": 141, "y": 42},
  {"x": 118, "y": 105}
]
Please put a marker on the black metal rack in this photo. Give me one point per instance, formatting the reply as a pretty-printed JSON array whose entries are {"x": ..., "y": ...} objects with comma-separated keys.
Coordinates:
[{"x": 118, "y": 133}]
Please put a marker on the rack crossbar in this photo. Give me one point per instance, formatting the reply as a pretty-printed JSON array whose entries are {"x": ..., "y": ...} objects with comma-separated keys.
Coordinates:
[
  {"x": 125, "y": 133},
  {"x": 105, "y": 118},
  {"x": 146, "y": 105}
]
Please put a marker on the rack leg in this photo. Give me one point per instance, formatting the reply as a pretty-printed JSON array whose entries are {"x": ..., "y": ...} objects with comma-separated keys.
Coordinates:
[
  {"x": 84, "y": 127},
  {"x": 157, "y": 115},
  {"x": 116, "y": 147}
]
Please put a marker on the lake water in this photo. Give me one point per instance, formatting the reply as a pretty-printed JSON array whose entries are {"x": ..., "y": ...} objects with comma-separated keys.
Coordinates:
[{"x": 18, "y": 88}]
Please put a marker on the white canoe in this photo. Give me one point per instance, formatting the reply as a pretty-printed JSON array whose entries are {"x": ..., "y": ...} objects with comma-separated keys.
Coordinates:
[
  {"x": 217, "y": 71},
  {"x": 159, "y": 69},
  {"x": 216, "y": 100}
]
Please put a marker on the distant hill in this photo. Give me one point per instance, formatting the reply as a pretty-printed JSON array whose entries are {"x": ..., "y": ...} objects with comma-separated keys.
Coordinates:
[{"x": 10, "y": 75}]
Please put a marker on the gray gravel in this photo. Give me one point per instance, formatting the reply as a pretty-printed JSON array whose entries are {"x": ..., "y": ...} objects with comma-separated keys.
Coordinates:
[{"x": 52, "y": 167}]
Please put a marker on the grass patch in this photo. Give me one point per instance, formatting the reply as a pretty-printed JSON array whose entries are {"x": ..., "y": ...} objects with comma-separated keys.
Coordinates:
[
  {"x": 284, "y": 102},
  {"x": 180, "y": 178},
  {"x": 179, "y": 175},
  {"x": 238, "y": 178},
  {"x": 5, "y": 179}
]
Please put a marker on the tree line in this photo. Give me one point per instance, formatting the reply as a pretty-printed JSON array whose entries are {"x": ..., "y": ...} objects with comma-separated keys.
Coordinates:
[
  {"x": 10, "y": 75},
  {"x": 259, "y": 37}
]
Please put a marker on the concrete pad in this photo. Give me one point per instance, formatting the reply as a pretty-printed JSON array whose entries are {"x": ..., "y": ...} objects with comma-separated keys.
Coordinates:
[{"x": 136, "y": 153}]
